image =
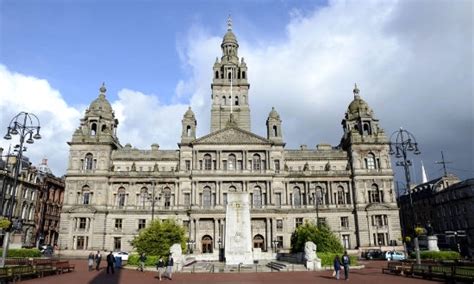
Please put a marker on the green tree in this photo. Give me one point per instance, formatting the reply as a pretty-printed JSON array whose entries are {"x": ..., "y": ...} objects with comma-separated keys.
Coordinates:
[
  {"x": 321, "y": 235},
  {"x": 157, "y": 238}
]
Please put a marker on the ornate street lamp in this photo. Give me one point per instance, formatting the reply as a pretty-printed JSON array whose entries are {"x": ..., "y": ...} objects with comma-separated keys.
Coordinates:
[
  {"x": 401, "y": 143},
  {"x": 275, "y": 244},
  {"x": 153, "y": 198},
  {"x": 27, "y": 126}
]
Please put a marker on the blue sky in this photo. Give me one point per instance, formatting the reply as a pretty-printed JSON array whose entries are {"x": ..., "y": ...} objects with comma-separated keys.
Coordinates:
[{"x": 412, "y": 61}]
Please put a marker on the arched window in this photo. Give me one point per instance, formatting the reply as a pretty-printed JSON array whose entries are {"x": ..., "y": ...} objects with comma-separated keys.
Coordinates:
[
  {"x": 167, "y": 197},
  {"x": 224, "y": 100},
  {"x": 370, "y": 162},
  {"x": 231, "y": 162},
  {"x": 257, "y": 162},
  {"x": 206, "y": 197},
  {"x": 121, "y": 194},
  {"x": 24, "y": 211},
  {"x": 243, "y": 74},
  {"x": 207, "y": 162},
  {"x": 275, "y": 131},
  {"x": 206, "y": 243},
  {"x": 86, "y": 195},
  {"x": 188, "y": 130},
  {"x": 366, "y": 129},
  {"x": 104, "y": 127},
  {"x": 374, "y": 194},
  {"x": 89, "y": 161},
  {"x": 217, "y": 74},
  {"x": 340, "y": 195},
  {"x": 31, "y": 213},
  {"x": 257, "y": 197},
  {"x": 296, "y": 197},
  {"x": 258, "y": 242},
  {"x": 318, "y": 195},
  {"x": 229, "y": 75},
  {"x": 93, "y": 129},
  {"x": 236, "y": 100}
]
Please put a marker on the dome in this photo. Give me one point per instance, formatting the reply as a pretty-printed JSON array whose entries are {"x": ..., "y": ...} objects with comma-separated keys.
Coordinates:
[
  {"x": 101, "y": 103},
  {"x": 229, "y": 37},
  {"x": 357, "y": 105},
  {"x": 189, "y": 113},
  {"x": 273, "y": 114}
]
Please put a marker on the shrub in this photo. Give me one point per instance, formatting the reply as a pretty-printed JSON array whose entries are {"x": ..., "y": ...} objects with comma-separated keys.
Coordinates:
[
  {"x": 321, "y": 235},
  {"x": 437, "y": 255},
  {"x": 150, "y": 260},
  {"x": 23, "y": 252},
  {"x": 327, "y": 258}
]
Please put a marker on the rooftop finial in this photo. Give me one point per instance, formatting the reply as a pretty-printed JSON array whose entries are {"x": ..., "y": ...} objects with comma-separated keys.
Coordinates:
[
  {"x": 229, "y": 23},
  {"x": 103, "y": 89},
  {"x": 355, "y": 91}
]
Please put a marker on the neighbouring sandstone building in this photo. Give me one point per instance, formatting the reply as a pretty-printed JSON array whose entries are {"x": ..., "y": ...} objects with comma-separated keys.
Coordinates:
[{"x": 113, "y": 191}]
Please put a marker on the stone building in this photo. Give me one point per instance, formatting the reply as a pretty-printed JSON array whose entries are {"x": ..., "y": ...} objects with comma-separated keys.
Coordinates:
[
  {"x": 113, "y": 191},
  {"x": 446, "y": 203}
]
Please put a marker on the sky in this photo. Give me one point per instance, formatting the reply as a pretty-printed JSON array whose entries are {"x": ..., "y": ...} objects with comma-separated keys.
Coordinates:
[{"x": 412, "y": 61}]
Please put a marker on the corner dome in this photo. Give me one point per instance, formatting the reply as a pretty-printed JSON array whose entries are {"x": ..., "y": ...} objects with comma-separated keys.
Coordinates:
[
  {"x": 189, "y": 113},
  {"x": 101, "y": 104},
  {"x": 273, "y": 114},
  {"x": 358, "y": 105},
  {"x": 229, "y": 37}
]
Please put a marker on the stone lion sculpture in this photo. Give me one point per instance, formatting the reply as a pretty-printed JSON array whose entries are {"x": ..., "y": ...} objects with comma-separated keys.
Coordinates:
[
  {"x": 177, "y": 255},
  {"x": 310, "y": 251}
]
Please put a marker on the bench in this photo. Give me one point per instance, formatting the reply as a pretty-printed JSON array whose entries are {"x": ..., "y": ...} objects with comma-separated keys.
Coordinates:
[
  {"x": 19, "y": 272},
  {"x": 63, "y": 266},
  {"x": 395, "y": 267},
  {"x": 5, "y": 275},
  {"x": 276, "y": 265}
]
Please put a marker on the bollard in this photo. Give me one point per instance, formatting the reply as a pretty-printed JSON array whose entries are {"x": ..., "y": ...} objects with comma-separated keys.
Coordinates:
[{"x": 193, "y": 268}]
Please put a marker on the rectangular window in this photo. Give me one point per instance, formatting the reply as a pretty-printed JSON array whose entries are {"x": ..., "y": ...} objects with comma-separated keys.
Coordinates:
[
  {"x": 225, "y": 198},
  {"x": 277, "y": 166},
  {"x": 280, "y": 241},
  {"x": 188, "y": 165},
  {"x": 187, "y": 199},
  {"x": 224, "y": 165},
  {"x": 118, "y": 224},
  {"x": 345, "y": 222},
  {"x": 200, "y": 165},
  {"x": 279, "y": 225},
  {"x": 322, "y": 220},
  {"x": 82, "y": 223},
  {"x": 346, "y": 241},
  {"x": 239, "y": 165},
  {"x": 378, "y": 220},
  {"x": 80, "y": 244},
  {"x": 298, "y": 222},
  {"x": 121, "y": 199},
  {"x": 117, "y": 243},
  {"x": 141, "y": 224}
]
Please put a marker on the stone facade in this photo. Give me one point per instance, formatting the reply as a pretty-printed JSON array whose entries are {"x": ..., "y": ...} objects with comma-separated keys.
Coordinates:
[{"x": 112, "y": 191}]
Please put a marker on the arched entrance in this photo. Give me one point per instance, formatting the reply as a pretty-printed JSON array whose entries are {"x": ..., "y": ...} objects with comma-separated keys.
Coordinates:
[
  {"x": 258, "y": 242},
  {"x": 206, "y": 244}
]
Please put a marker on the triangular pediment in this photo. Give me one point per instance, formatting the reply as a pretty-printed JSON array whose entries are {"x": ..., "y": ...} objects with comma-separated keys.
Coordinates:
[
  {"x": 377, "y": 206},
  {"x": 82, "y": 209},
  {"x": 232, "y": 135}
]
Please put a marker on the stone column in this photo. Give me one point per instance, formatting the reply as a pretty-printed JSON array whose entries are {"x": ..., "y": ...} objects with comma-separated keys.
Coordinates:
[
  {"x": 267, "y": 234},
  {"x": 216, "y": 234}
]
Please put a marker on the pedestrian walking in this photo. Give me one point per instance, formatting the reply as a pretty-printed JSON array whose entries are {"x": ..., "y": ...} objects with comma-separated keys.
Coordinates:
[
  {"x": 170, "y": 267},
  {"x": 346, "y": 261},
  {"x": 90, "y": 261},
  {"x": 98, "y": 258},
  {"x": 160, "y": 266},
  {"x": 110, "y": 262},
  {"x": 337, "y": 267},
  {"x": 141, "y": 262}
]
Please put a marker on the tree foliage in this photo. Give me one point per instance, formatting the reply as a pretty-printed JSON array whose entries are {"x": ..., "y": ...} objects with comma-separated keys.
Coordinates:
[
  {"x": 321, "y": 235},
  {"x": 157, "y": 238}
]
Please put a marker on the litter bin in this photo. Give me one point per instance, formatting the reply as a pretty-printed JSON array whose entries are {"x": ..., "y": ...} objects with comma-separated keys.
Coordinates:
[{"x": 118, "y": 262}]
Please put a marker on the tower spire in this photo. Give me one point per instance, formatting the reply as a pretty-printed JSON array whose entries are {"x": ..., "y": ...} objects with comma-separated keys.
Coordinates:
[
  {"x": 229, "y": 23},
  {"x": 356, "y": 91}
]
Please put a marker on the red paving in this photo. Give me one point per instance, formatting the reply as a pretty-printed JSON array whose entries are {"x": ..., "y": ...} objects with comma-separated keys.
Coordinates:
[{"x": 371, "y": 274}]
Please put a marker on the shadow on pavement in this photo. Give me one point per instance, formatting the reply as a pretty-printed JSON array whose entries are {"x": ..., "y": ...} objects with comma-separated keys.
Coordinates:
[{"x": 110, "y": 278}]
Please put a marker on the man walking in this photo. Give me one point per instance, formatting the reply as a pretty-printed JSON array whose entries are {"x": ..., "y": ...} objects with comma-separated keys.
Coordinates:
[
  {"x": 170, "y": 267},
  {"x": 160, "y": 265},
  {"x": 142, "y": 261},
  {"x": 110, "y": 262},
  {"x": 98, "y": 258},
  {"x": 345, "y": 262}
]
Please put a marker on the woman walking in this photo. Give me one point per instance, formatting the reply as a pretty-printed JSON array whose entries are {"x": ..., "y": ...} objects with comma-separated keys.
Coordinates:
[
  {"x": 90, "y": 261},
  {"x": 337, "y": 267}
]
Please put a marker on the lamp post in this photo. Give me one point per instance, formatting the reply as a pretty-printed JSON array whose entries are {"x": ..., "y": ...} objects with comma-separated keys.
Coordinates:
[
  {"x": 190, "y": 244},
  {"x": 401, "y": 143},
  {"x": 27, "y": 126},
  {"x": 317, "y": 199},
  {"x": 153, "y": 198}
]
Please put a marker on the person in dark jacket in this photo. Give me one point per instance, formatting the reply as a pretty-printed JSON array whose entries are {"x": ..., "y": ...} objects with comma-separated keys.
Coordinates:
[
  {"x": 142, "y": 260},
  {"x": 337, "y": 267},
  {"x": 160, "y": 265},
  {"x": 346, "y": 261},
  {"x": 98, "y": 258},
  {"x": 110, "y": 262},
  {"x": 170, "y": 265}
]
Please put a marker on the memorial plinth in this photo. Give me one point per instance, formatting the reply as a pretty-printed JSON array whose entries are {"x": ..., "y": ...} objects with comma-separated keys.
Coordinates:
[{"x": 238, "y": 239}]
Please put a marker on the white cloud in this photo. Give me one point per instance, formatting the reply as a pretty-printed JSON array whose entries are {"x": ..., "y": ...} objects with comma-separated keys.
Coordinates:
[{"x": 58, "y": 120}]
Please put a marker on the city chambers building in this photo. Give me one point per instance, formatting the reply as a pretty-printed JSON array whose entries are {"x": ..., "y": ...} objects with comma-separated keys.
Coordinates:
[{"x": 114, "y": 191}]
